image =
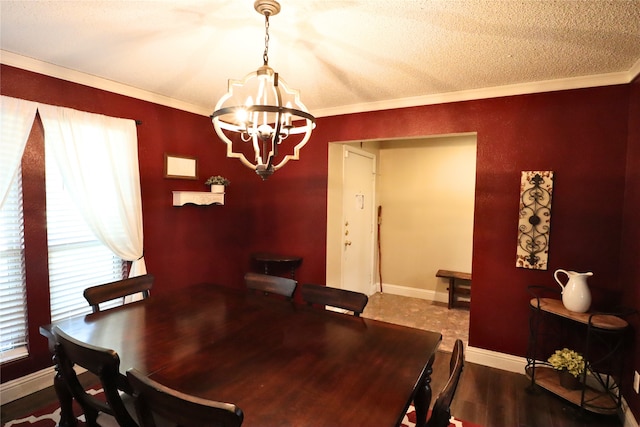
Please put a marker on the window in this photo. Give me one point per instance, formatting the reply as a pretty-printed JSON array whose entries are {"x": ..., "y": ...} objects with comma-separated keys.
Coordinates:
[
  {"x": 77, "y": 259},
  {"x": 74, "y": 258},
  {"x": 13, "y": 305}
]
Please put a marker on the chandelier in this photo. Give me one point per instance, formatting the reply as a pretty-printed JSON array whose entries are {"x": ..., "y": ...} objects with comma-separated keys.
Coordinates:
[{"x": 263, "y": 111}]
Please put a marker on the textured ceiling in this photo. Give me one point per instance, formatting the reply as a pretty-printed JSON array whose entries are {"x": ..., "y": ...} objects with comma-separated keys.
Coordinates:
[{"x": 343, "y": 55}]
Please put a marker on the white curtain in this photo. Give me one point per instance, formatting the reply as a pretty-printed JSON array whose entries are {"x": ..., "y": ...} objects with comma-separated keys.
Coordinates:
[
  {"x": 98, "y": 160},
  {"x": 16, "y": 119}
]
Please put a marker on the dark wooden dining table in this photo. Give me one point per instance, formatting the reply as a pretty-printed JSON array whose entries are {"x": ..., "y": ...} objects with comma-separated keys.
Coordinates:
[{"x": 282, "y": 363}]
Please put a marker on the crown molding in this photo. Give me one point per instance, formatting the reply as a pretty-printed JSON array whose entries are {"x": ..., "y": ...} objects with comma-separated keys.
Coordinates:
[
  {"x": 610, "y": 79},
  {"x": 52, "y": 70},
  {"x": 35, "y": 65}
]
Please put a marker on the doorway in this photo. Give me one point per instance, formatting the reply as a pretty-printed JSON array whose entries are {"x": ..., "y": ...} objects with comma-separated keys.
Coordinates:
[{"x": 426, "y": 188}]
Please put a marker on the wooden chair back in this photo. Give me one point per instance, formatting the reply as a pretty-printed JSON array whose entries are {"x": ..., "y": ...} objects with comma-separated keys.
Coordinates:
[
  {"x": 334, "y": 297},
  {"x": 178, "y": 408},
  {"x": 441, "y": 412},
  {"x": 102, "y": 362},
  {"x": 271, "y": 284},
  {"x": 95, "y": 295}
]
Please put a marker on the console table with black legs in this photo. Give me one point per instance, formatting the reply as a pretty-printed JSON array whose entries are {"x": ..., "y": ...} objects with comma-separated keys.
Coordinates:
[{"x": 600, "y": 338}]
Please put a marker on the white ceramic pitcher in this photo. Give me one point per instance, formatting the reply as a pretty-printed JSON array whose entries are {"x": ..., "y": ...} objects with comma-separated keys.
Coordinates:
[{"x": 575, "y": 293}]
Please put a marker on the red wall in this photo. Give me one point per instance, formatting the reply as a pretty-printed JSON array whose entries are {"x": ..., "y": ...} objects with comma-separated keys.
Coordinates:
[
  {"x": 580, "y": 134},
  {"x": 182, "y": 244},
  {"x": 630, "y": 252}
]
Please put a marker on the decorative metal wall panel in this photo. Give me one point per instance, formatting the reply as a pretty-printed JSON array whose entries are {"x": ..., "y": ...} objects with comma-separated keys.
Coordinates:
[{"x": 536, "y": 189}]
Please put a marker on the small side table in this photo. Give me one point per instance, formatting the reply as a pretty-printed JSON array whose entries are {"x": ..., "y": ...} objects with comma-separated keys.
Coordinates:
[{"x": 277, "y": 263}]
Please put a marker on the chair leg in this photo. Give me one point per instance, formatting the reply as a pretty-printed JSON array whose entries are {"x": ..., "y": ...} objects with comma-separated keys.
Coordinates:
[
  {"x": 67, "y": 419},
  {"x": 91, "y": 417},
  {"x": 422, "y": 399}
]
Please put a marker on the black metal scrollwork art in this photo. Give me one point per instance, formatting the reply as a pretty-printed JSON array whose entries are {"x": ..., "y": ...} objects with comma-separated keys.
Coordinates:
[{"x": 536, "y": 189}]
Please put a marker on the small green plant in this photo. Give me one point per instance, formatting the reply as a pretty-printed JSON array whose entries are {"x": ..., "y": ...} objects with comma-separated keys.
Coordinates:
[
  {"x": 217, "y": 180},
  {"x": 567, "y": 359}
]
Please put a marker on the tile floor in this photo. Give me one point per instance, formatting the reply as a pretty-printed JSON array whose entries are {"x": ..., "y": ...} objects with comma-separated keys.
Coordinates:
[{"x": 421, "y": 314}]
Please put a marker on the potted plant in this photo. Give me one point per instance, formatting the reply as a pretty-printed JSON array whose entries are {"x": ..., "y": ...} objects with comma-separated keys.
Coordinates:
[
  {"x": 570, "y": 365},
  {"x": 217, "y": 183}
]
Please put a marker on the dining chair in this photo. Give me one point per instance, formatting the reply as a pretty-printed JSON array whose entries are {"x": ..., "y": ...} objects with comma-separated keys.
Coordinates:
[
  {"x": 441, "y": 412},
  {"x": 102, "y": 362},
  {"x": 95, "y": 295},
  {"x": 334, "y": 297},
  {"x": 271, "y": 284},
  {"x": 153, "y": 399}
]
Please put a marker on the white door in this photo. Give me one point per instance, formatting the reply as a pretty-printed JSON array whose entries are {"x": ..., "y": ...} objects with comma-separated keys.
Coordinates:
[{"x": 358, "y": 220}]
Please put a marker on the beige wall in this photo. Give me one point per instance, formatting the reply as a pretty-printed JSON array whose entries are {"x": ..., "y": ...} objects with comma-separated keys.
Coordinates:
[{"x": 426, "y": 190}]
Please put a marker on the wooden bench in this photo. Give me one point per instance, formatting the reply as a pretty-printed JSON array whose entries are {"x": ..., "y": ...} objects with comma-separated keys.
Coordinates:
[{"x": 462, "y": 288}]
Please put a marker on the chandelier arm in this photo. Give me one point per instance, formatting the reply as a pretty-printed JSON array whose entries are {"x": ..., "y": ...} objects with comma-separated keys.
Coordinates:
[
  {"x": 296, "y": 151},
  {"x": 229, "y": 143}
]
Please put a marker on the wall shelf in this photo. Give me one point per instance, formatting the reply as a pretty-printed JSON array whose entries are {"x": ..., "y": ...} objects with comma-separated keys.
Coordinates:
[{"x": 181, "y": 198}]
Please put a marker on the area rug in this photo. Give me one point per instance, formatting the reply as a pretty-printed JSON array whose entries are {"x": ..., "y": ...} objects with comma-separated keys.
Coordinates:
[
  {"x": 50, "y": 415},
  {"x": 410, "y": 420}
]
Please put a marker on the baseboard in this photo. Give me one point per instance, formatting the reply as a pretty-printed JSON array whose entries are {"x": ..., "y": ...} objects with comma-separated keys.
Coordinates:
[
  {"x": 494, "y": 359},
  {"x": 406, "y": 291},
  {"x": 24, "y": 386}
]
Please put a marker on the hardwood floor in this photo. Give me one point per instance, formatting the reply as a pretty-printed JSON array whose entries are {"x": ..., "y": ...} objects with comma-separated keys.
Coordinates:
[
  {"x": 486, "y": 396},
  {"x": 495, "y": 398}
]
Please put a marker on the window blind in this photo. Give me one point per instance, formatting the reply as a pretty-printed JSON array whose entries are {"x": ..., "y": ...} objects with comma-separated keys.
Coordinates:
[
  {"x": 77, "y": 259},
  {"x": 13, "y": 304}
]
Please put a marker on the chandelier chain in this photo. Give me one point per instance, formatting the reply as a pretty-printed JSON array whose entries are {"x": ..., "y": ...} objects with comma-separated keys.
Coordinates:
[{"x": 265, "y": 55}]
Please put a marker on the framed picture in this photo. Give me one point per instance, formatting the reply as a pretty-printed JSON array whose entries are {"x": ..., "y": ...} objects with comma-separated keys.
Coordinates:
[{"x": 180, "y": 167}]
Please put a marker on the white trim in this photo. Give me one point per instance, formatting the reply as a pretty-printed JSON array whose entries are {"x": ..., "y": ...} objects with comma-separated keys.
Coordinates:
[
  {"x": 494, "y": 359},
  {"x": 48, "y": 69},
  {"x": 610, "y": 79},
  {"x": 23, "y": 386},
  {"x": 52, "y": 70},
  {"x": 406, "y": 291},
  {"x": 31, "y": 383}
]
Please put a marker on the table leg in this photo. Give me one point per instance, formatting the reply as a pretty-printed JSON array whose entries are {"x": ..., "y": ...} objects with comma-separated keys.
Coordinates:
[
  {"x": 67, "y": 419},
  {"x": 422, "y": 400}
]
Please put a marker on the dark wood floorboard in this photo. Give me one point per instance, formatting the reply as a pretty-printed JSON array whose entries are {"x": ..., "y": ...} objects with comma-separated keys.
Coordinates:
[{"x": 486, "y": 396}]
